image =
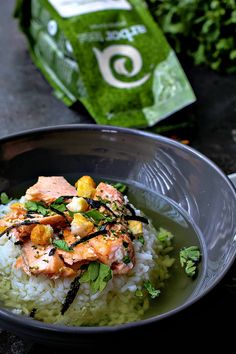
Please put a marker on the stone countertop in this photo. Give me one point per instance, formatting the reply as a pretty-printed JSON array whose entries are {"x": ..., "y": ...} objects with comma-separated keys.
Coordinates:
[{"x": 26, "y": 102}]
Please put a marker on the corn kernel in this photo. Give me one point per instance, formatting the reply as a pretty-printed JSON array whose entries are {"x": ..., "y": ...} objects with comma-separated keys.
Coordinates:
[
  {"x": 41, "y": 234},
  {"x": 81, "y": 225},
  {"x": 135, "y": 227}
]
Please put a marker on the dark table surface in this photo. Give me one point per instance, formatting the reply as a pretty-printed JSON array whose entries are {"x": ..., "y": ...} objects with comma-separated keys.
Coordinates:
[{"x": 26, "y": 102}]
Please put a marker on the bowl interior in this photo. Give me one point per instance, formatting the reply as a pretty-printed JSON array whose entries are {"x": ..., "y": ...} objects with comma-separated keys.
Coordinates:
[{"x": 197, "y": 189}]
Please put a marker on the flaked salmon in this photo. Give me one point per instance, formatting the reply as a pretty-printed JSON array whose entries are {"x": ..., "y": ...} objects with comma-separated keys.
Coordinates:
[{"x": 48, "y": 189}]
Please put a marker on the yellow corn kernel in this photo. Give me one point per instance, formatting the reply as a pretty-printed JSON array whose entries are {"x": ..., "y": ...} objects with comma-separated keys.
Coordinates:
[
  {"x": 135, "y": 227},
  {"x": 41, "y": 234},
  {"x": 81, "y": 225},
  {"x": 77, "y": 205},
  {"x": 85, "y": 187}
]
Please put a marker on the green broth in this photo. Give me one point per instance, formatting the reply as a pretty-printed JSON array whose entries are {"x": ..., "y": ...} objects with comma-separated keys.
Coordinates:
[{"x": 164, "y": 213}]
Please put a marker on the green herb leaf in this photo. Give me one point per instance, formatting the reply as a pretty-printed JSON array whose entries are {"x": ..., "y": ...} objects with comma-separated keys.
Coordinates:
[
  {"x": 105, "y": 274},
  {"x": 94, "y": 215},
  {"x": 151, "y": 290},
  {"x": 38, "y": 207},
  {"x": 97, "y": 275},
  {"x": 121, "y": 187},
  {"x": 189, "y": 259},
  {"x": 60, "y": 207},
  {"x": 4, "y": 198},
  {"x": 165, "y": 237},
  {"x": 141, "y": 239},
  {"x": 91, "y": 273},
  {"x": 126, "y": 260},
  {"x": 62, "y": 245}
]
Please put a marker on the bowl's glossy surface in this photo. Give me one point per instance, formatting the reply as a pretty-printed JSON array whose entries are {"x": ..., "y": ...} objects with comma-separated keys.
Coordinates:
[{"x": 150, "y": 161}]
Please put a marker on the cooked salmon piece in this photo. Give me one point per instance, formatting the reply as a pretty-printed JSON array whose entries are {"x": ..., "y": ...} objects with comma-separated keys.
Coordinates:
[
  {"x": 36, "y": 260},
  {"x": 82, "y": 252},
  {"x": 109, "y": 193},
  {"x": 114, "y": 250},
  {"x": 48, "y": 189}
]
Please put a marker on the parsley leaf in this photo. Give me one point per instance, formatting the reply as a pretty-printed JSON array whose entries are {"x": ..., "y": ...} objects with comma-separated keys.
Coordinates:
[
  {"x": 4, "y": 198},
  {"x": 151, "y": 290},
  {"x": 62, "y": 245},
  {"x": 97, "y": 275},
  {"x": 38, "y": 207},
  {"x": 121, "y": 187},
  {"x": 165, "y": 237},
  {"x": 141, "y": 239},
  {"x": 189, "y": 259},
  {"x": 94, "y": 215}
]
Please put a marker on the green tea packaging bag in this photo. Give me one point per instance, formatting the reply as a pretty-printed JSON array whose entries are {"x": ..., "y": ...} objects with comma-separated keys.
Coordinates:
[{"x": 108, "y": 54}]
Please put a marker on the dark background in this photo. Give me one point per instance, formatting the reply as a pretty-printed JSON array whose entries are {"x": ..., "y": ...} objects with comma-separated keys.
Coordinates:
[{"x": 26, "y": 102}]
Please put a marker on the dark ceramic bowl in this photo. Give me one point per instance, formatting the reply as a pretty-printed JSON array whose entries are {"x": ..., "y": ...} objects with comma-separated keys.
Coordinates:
[{"x": 151, "y": 162}]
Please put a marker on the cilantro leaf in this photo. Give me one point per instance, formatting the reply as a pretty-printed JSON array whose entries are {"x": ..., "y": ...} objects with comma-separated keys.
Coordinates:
[
  {"x": 94, "y": 215},
  {"x": 165, "y": 237},
  {"x": 141, "y": 239},
  {"x": 4, "y": 198},
  {"x": 62, "y": 245},
  {"x": 38, "y": 207},
  {"x": 121, "y": 187},
  {"x": 189, "y": 259},
  {"x": 97, "y": 275},
  {"x": 151, "y": 290}
]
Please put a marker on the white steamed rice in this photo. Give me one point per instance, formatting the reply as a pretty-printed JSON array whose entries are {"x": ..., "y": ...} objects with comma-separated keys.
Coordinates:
[{"x": 116, "y": 304}]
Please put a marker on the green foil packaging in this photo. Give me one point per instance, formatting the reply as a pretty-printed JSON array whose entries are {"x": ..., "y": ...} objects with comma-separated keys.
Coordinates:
[{"x": 108, "y": 54}]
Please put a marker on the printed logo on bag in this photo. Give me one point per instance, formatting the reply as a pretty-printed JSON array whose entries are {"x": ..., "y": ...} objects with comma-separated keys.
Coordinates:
[{"x": 107, "y": 61}]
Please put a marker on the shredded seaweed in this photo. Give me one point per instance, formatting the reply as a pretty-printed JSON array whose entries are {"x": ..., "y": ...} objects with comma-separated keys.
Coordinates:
[
  {"x": 52, "y": 251},
  {"x": 26, "y": 222},
  {"x": 74, "y": 288},
  {"x": 135, "y": 217},
  {"x": 33, "y": 312}
]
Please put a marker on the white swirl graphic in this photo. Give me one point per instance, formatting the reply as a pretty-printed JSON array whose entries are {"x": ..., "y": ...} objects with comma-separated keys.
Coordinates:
[{"x": 104, "y": 58}]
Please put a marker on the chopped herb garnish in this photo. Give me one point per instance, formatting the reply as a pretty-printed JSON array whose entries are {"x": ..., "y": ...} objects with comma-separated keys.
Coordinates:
[
  {"x": 62, "y": 245},
  {"x": 189, "y": 260},
  {"x": 126, "y": 260},
  {"x": 46, "y": 260},
  {"x": 97, "y": 275},
  {"x": 4, "y": 198},
  {"x": 151, "y": 290},
  {"x": 165, "y": 237},
  {"x": 59, "y": 207},
  {"x": 38, "y": 207},
  {"x": 94, "y": 215},
  {"x": 140, "y": 238},
  {"x": 121, "y": 187}
]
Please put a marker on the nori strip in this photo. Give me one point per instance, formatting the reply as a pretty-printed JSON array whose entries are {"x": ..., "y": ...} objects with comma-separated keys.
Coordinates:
[
  {"x": 135, "y": 217},
  {"x": 96, "y": 204},
  {"x": 74, "y": 287},
  {"x": 26, "y": 222},
  {"x": 129, "y": 207},
  {"x": 32, "y": 313},
  {"x": 52, "y": 251}
]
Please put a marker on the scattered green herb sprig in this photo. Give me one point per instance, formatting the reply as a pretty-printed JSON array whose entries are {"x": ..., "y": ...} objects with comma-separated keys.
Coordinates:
[
  {"x": 62, "y": 245},
  {"x": 97, "y": 275},
  {"x": 38, "y": 207},
  {"x": 204, "y": 30},
  {"x": 151, "y": 289},
  {"x": 121, "y": 187},
  {"x": 4, "y": 199},
  {"x": 189, "y": 260}
]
